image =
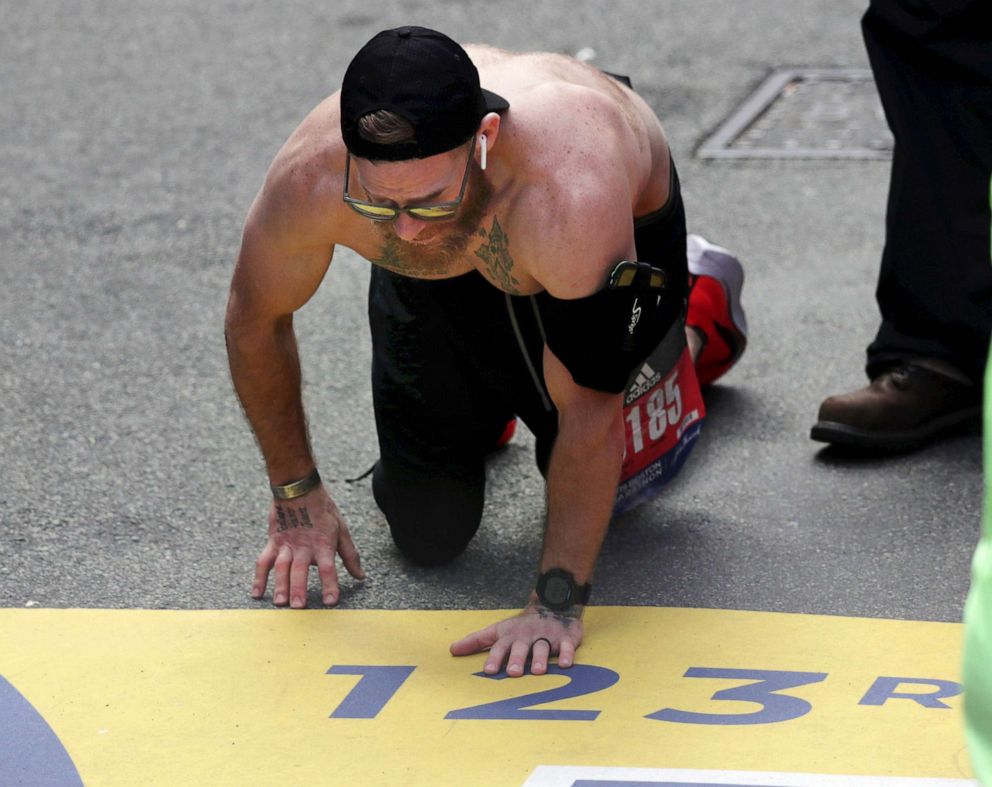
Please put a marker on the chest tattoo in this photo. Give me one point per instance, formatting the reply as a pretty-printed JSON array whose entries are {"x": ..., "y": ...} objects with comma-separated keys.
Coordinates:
[{"x": 495, "y": 252}]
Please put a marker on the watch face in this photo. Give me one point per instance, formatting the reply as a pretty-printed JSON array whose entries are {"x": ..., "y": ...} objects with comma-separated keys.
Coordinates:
[{"x": 557, "y": 591}]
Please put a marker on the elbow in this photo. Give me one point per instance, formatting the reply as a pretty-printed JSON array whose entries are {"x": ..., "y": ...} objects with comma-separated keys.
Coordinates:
[
  {"x": 234, "y": 325},
  {"x": 616, "y": 437},
  {"x": 245, "y": 329},
  {"x": 232, "y": 316},
  {"x": 596, "y": 426}
]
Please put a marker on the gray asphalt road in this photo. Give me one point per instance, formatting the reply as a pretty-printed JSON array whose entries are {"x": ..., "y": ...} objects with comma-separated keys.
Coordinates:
[{"x": 133, "y": 136}]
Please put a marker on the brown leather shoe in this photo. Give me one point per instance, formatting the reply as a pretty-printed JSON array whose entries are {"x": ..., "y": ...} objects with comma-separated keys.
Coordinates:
[{"x": 902, "y": 408}]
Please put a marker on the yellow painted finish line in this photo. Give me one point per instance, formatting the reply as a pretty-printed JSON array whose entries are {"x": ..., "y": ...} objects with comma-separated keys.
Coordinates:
[{"x": 372, "y": 697}]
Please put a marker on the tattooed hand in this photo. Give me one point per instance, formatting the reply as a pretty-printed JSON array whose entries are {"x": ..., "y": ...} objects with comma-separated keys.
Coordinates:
[
  {"x": 305, "y": 531},
  {"x": 536, "y": 631}
]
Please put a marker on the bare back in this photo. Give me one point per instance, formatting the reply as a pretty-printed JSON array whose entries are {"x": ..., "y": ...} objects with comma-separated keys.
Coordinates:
[{"x": 520, "y": 71}]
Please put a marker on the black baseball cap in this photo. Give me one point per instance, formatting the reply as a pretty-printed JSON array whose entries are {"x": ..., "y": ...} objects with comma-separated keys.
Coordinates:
[{"x": 423, "y": 76}]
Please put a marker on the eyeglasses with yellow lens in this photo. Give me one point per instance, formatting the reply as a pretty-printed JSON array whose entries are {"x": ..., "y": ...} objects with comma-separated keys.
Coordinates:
[{"x": 379, "y": 212}]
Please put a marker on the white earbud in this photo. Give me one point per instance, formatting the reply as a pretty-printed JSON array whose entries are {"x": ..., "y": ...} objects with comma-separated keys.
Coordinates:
[{"x": 482, "y": 139}]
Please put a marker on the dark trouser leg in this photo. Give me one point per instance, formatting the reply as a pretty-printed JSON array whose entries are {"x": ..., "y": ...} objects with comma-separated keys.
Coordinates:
[
  {"x": 447, "y": 375},
  {"x": 431, "y": 516},
  {"x": 934, "y": 75}
]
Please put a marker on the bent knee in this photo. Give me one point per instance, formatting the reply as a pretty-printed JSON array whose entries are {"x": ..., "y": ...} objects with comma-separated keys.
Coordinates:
[
  {"x": 432, "y": 520},
  {"x": 427, "y": 553}
]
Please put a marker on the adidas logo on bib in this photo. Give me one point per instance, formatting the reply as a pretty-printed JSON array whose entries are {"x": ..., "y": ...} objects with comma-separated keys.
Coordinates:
[{"x": 645, "y": 380}]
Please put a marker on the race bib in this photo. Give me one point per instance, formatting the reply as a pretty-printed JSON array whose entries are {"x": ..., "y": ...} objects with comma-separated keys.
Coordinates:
[{"x": 663, "y": 415}]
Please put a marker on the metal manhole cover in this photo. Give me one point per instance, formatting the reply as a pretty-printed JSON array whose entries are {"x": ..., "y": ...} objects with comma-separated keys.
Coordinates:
[{"x": 806, "y": 113}]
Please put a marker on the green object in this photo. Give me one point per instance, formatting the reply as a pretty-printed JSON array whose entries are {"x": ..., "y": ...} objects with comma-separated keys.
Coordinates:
[{"x": 978, "y": 622}]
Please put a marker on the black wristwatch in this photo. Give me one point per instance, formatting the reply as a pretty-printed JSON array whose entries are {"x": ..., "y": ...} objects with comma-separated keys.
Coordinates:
[{"x": 557, "y": 590}]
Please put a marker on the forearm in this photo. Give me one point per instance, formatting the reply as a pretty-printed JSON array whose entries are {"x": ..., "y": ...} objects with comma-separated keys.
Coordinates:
[
  {"x": 582, "y": 482},
  {"x": 265, "y": 368}
]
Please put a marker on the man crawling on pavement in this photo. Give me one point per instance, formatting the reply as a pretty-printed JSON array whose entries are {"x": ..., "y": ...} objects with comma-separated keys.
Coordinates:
[{"x": 530, "y": 260}]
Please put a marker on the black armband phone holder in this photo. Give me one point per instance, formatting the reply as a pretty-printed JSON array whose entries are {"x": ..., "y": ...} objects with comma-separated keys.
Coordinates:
[{"x": 602, "y": 338}]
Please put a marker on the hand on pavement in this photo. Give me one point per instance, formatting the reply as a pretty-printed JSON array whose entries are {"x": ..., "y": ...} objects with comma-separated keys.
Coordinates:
[{"x": 305, "y": 531}]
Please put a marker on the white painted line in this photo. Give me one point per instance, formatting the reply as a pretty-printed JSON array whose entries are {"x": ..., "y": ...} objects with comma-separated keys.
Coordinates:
[{"x": 570, "y": 776}]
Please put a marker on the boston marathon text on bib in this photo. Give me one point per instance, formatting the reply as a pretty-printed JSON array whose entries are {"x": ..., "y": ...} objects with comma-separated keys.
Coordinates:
[{"x": 663, "y": 415}]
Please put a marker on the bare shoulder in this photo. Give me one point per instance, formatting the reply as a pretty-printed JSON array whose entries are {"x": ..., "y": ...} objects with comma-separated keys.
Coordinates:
[
  {"x": 562, "y": 79},
  {"x": 580, "y": 170},
  {"x": 568, "y": 118},
  {"x": 301, "y": 194},
  {"x": 295, "y": 220},
  {"x": 576, "y": 137},
  {"x": 574, "y": 221},
  {"x": 588, "y": 155}
]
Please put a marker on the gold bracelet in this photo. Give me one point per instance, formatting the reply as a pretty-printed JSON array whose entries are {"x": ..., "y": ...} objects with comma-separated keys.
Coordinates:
[{"x": 297, "y": 488}]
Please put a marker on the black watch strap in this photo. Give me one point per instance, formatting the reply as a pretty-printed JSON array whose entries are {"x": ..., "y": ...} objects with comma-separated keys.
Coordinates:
[{"x": 558, "y": 590}]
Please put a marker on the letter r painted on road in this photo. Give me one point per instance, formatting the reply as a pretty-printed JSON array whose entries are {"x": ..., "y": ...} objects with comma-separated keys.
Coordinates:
[{"x": 884, "y": 689}]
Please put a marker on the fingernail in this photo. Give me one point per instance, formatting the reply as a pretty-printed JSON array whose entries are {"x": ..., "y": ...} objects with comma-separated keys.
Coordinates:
[
  {"x": 329, "y": 599},
  {"x": 280, "y": 598},
  {"x": 297, "y": 602}
]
